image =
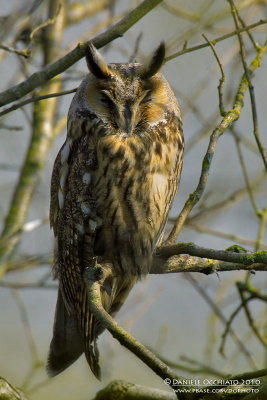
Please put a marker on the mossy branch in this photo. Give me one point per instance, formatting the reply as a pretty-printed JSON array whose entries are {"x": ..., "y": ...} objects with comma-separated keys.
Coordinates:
[
  {"x": 234, "y": 254},
  {"x": 225, "y": 123}
]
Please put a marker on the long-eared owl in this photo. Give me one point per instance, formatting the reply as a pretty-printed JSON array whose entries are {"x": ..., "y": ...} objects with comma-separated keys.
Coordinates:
[{"x": 112, "y": 187}]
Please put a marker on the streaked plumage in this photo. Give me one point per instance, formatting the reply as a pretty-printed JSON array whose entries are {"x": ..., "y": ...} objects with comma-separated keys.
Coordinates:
[{"x": 113, "y": 183}]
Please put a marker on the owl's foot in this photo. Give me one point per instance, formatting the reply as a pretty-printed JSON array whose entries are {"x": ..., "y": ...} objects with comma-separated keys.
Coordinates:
[{"x": 94, "y": 272}]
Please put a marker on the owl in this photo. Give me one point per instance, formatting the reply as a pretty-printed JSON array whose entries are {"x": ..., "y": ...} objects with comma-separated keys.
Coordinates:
[{"x": 112, "y": 187}]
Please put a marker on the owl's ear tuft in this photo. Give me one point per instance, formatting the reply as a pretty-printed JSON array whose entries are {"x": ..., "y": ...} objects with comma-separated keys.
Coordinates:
[
  {"x": 154, "y": 64},
  {"x": 96, "y": 63}
]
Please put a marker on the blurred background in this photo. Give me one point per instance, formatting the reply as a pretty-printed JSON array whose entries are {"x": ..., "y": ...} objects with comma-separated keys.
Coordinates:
[{"x": 181, "y": 317}]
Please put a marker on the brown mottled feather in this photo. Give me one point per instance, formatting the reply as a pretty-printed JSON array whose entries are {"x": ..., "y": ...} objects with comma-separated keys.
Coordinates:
[{"x": 112, "y": 186}]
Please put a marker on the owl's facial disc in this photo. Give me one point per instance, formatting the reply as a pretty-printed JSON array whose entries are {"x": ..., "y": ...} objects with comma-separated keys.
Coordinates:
[{"x": 126, "y": 96}]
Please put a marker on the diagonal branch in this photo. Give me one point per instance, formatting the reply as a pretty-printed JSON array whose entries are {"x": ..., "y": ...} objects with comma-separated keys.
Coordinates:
[
  {"x": 40, "y": 77},
  {"x": 225, "y": 123}
]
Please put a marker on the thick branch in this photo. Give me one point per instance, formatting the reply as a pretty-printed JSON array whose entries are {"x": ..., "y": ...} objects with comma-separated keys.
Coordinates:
[
  {"x": 40, "y": 77},
  {"x": 229, "y": 255},
  {"x": 185, "y": 263},
  {"x": 130, "y": 391}
]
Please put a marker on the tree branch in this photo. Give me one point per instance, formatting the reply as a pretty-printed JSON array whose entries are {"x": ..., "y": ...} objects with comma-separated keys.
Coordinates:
[
  {"x": 130, "y": 391},
  {"x": 226, "y": 121},
  {"x": 125, "y": 339},
  {"x": 40, "y": 77},
  {"x": 8, "y": 391},
  {"x": 186, "y": 50},
  {"x": 234, "y": 254},
  {"x": 41, "y": 140}
]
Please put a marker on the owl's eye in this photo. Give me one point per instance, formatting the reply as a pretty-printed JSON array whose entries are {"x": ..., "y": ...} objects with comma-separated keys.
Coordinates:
[{"x": 105, "y": 99}]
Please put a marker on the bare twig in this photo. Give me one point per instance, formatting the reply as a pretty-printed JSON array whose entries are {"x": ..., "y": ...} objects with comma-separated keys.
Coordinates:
[
  {"x": 79, "y": 11},
  {"x": 230, "y": 320},
  {"x": 230, "y": 236},
  {"x": 51, "y": 70},
  {"x": 34, "y": 99},
  {"x": 226, "y": 121},
  {"x": 248, "y": 314},
  {"x": 223, "y": 319},
  {"x": 222, "y": 79},
  {"x": 26, "y": 325},
  {"x": 262, "y": 214},
  {"x": 245, "y": 173},
  {"x": 250, "y": 86},
  {"x": 214, "y": 41},
  {"x": 235, "y": 198},
  {"x": 49, "y": 21},
  {"x": 26, "y": 53}
]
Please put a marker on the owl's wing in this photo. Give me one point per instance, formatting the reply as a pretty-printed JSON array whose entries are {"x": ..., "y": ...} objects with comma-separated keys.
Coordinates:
[{"x": 74, "y": 222}]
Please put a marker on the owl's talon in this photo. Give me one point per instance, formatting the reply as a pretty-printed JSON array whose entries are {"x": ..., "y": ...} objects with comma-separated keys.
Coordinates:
[{"x": 94, "y": 272}]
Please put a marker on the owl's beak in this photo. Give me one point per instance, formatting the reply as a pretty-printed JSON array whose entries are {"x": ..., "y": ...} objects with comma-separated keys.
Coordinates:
[{"x": 128, "y": 119}]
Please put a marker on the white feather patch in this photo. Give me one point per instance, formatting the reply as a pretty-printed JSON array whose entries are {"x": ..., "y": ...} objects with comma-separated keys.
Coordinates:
[
  {"x": 65, "y": 152},
  {"x": 85, "y": 209},
  {"x": 87, "y": 178},
  {"x": 60, "y": 198},
  {"x": 63, "y": 175}
]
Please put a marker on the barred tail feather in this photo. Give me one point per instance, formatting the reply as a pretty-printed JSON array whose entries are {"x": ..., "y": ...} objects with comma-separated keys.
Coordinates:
[
  {"x": 72, "y": 336},
  {"x": 67, "y": 344}
]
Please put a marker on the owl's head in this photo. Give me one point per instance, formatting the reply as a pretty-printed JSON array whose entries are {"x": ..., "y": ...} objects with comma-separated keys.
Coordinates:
[{"x": 128, "y": 97}]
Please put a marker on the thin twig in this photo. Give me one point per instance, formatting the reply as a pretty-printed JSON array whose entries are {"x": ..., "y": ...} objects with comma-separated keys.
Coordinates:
[
  {"x": 249, "y": 316},
  {"x": 248, "y": 33},
  {"x": 230, "y": 320},
  {"x": 250, "y": 86},
  {"x": 26, "y": 53},
  {"x": 262, "y": 214},
  {"x": 226, "y": 121},
  {"x": 234, "y": 198},
  {"x": 49, "y": 21},
  {"x": 34, "y": 99},
  {"x": 222, "y": 318},
  {"x": 26, "y": 325},
  {"x": 39, "y": 78},
  {"x": 221, "y": 80},
  {"x": 230, "y": 236},
  {"x": 214, "y": 41},
  {"x": 245, "y": 172}
]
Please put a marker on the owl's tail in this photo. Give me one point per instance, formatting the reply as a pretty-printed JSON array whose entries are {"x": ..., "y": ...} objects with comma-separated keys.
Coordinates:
[
  {"x": 70, "y": 341},
  {"x": 67, "y": 343}
]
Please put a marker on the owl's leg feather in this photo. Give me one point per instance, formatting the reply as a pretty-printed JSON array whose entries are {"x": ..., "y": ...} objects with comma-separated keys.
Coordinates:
[{"x": 67, "y": 344}]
